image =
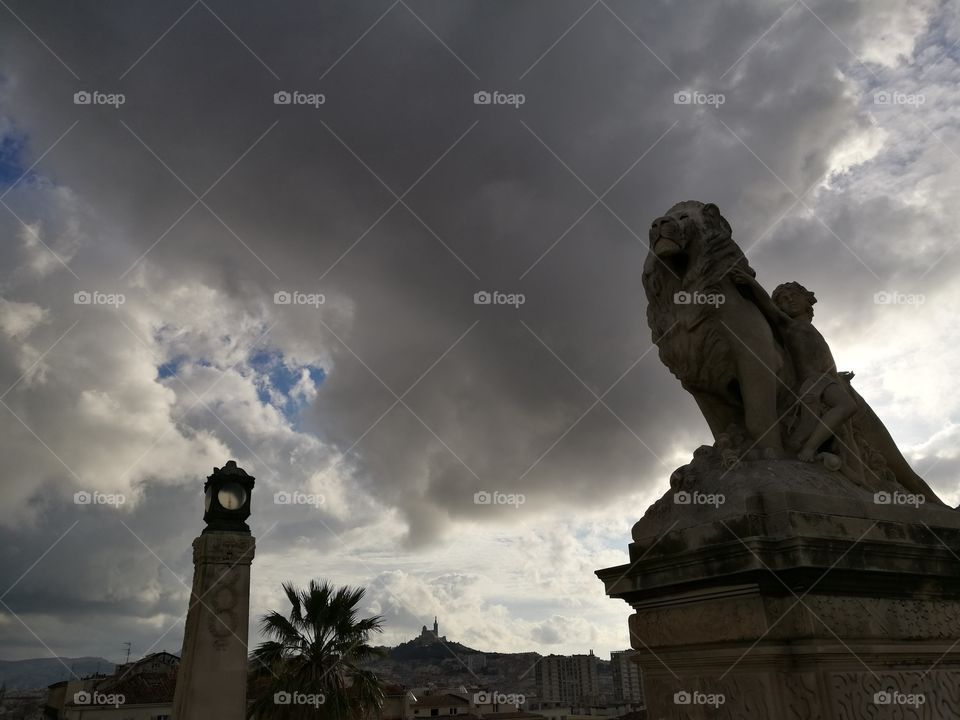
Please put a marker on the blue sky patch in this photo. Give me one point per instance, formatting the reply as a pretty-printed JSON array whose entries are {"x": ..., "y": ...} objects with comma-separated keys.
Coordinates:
[
  {"x": 276, "y": 379},
  {"x": 11, "y": 166},
  {"x": 170, "y": 368}
]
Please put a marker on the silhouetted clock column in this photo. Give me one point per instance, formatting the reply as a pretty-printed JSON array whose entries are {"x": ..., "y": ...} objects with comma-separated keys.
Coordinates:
[{"x": 212, "y": 680}]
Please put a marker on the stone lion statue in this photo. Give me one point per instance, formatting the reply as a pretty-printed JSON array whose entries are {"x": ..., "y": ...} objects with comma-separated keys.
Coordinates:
[
  {"x": 711, "y": 336},
  {"x": 761, "y": 374}
]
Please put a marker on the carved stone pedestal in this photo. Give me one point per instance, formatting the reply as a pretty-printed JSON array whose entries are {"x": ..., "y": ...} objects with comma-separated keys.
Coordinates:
[
  {"x": 212, "y": 680},
  {"x": 779, "y": 590}
]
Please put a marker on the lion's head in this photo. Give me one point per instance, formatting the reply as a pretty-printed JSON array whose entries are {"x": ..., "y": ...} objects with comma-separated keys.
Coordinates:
[
  {"x": 691, "y": 250},
  {"x": 686, "y": 233}
]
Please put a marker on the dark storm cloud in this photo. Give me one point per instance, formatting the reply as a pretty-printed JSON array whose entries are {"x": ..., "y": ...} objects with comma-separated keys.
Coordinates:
[{"x": 504, "y": 206}]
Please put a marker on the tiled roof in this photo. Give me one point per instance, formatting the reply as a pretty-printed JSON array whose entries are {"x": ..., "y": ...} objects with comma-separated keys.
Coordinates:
[
  {"x": 439, "y": 701},
  {"x": 145, "y": 688}
]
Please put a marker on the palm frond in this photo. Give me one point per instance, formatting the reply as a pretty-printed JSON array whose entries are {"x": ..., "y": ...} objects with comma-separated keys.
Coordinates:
[{"x": 316, "y": 650}]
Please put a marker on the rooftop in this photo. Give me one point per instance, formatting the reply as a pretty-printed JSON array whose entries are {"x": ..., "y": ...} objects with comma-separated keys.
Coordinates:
[{"x": 440, "y": 700}]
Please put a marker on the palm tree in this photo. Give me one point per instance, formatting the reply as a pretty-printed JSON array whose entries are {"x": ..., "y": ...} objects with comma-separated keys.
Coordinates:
[{"x": 312, "y": 659}]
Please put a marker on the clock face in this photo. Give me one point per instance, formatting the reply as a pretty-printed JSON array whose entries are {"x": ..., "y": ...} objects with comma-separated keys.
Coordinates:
[{"x": 231, "y": 496}]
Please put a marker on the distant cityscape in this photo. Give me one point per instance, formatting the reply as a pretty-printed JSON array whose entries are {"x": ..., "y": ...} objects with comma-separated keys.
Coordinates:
[{"x": 428, "y": 676}]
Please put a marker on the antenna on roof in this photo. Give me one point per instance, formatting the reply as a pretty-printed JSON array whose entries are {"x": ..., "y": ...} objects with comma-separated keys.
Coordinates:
[{"x": 127, "y": 646}]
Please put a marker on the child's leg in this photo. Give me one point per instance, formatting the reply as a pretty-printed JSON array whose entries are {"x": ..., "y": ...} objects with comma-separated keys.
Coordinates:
[
  {"x": 841, "y": 407},
  {"x": 809, "y": 418}
]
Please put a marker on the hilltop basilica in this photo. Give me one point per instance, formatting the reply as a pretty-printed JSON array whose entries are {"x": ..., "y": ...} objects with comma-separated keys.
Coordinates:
[{"x": 428, "y": 637}]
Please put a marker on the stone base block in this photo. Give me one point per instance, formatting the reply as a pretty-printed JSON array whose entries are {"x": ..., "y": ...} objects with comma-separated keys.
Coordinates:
[
  {"x": 707, "y": 659},
  {"x": 783, "y": 603}
]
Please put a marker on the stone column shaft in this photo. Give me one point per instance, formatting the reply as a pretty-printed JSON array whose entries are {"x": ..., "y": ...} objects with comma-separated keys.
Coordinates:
[{"x": 212, "y": 680}]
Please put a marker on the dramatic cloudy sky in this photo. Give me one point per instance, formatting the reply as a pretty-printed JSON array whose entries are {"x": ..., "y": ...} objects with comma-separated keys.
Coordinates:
[{"x": 398, "y": 399}]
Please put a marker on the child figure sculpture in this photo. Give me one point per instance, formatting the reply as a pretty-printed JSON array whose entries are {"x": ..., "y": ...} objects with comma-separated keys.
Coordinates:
[{"x": 825, "y": 403}]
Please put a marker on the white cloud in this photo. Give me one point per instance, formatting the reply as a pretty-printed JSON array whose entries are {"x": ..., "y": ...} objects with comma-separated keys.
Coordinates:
[{"x": 97, "y": 414}]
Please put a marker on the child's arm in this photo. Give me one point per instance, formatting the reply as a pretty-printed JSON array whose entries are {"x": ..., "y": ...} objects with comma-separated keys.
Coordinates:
[{"x": 760, "y": 296}]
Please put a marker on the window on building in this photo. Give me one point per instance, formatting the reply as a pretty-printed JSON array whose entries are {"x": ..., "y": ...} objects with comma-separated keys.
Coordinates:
[{"x": 434, "y": 712}]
